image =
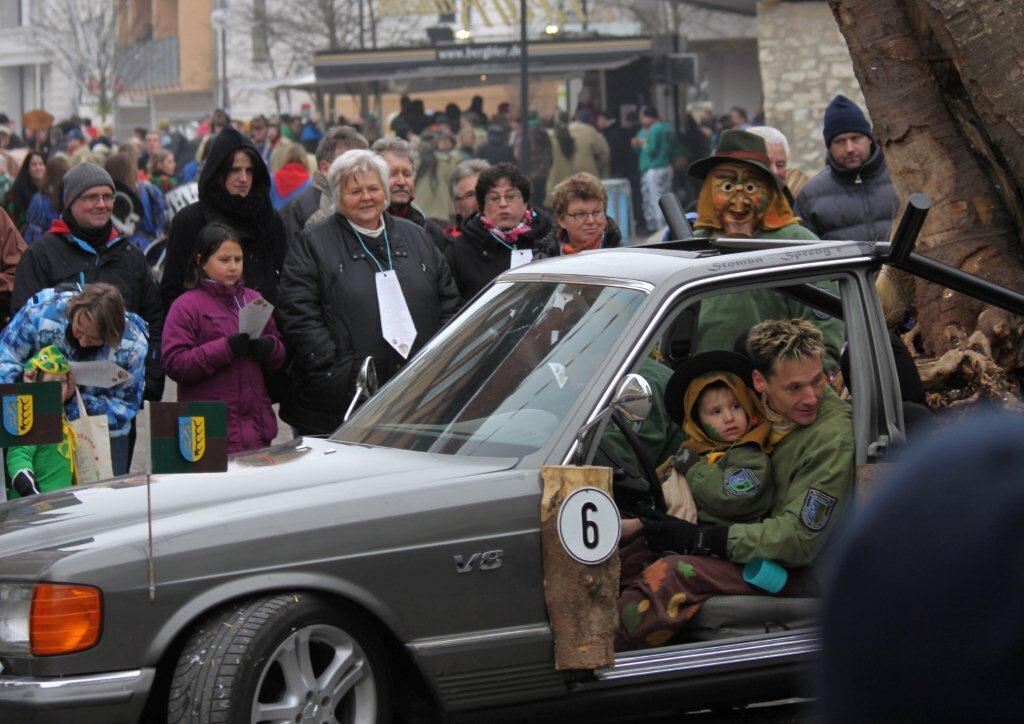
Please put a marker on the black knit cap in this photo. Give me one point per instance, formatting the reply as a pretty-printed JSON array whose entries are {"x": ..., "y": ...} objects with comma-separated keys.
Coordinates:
[
  {"x": 80, "y": 179},
  {"x": 844, "y": 116}
]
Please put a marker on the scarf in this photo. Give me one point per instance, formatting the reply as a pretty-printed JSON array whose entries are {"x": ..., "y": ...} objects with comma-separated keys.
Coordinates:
[
  {"x": 251, "y": 214},
  {"x": 569, "y": 248},
  {"x": 96, "y": 238},
  {"x": 510, "y": 236},
  {"x": 780, "y": 425}
]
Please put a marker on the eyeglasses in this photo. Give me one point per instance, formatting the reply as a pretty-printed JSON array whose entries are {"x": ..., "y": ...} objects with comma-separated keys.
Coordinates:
[
  {"x": 582, "y": 215},
  {"x": 93, "y": 199},
  {"x": 469, "y": 195},
  {"x": 510, "y": 198}
]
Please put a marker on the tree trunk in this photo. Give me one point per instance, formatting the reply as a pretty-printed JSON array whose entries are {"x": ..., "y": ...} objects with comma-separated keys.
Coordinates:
[{"x": 944, "y": 84}]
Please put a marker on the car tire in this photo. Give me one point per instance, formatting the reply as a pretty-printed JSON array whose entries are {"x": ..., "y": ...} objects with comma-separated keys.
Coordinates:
[{"x": 286, "y": 657}]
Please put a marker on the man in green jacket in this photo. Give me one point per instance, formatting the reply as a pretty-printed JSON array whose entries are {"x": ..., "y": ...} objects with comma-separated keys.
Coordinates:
[
  {"x": 812, "y": 473},
  {"x": 654, "y": 143}
]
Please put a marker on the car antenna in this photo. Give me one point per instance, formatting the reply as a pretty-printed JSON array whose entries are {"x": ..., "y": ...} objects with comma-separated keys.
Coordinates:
[{"x": 149, "y": 510}]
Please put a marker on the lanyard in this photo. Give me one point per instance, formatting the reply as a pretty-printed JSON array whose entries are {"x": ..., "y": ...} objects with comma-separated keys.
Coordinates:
[
  {"x": 369, "y": 254},
  {"x": 501, "y": 241}
]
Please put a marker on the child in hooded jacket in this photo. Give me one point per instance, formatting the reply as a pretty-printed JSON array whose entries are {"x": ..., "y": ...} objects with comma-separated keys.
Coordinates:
[
  {"x": 204, "y": 352},
  {"x": 724, "y": 460}
]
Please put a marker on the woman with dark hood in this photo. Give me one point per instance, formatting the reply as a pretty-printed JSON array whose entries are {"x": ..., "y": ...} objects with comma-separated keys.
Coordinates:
[{"x": 234, "y": 189}]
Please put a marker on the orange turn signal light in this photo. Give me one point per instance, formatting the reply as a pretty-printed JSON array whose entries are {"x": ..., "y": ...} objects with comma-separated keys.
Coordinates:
[{"x": 65, "y": 618}]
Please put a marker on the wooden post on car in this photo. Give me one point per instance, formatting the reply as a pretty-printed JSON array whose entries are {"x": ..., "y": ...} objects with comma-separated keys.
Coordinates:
[{"x": 580, "y": 597}]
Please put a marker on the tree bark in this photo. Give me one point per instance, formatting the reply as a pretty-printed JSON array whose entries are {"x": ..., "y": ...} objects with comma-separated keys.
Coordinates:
[
  {"x": 944, "y": 84},
  {"x": 580, "y": 598}
]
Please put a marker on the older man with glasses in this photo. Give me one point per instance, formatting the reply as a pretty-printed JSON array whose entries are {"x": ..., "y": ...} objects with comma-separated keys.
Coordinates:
[{"x": 82, "y": 247}]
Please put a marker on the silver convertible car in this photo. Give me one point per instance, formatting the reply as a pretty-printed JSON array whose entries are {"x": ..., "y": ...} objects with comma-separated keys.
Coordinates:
[{"x": 395, "y": 569}]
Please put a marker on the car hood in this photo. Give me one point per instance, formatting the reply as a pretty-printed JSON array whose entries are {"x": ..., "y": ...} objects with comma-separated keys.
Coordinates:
[{"x": 62, "y": 522}]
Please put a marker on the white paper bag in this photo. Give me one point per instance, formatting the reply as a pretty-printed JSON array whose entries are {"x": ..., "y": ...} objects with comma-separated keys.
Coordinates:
[
  {"x": 92, "y": 445},
  {"x": 678, "y": 497}
]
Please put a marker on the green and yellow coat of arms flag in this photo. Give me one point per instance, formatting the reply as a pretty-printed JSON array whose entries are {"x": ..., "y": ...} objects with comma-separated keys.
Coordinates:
[
  {"x": 31, "y": 414},
  {"x": 189, "y": 437}
]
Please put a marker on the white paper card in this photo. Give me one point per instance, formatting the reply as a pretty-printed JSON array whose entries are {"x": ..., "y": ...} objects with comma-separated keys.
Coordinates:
[
  {"x": 100, "y": 373},
  {"x": 520, "y": 257},
  {"x": 560, "y": 373},
  {"x": 395, "y": 321},
  {"x": 253, "y": 317}
]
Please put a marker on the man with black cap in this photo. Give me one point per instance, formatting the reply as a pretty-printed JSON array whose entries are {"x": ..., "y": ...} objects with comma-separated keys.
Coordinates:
[
  {"x": 852, "y": 197},
  {"x": 82, "y": 247}
]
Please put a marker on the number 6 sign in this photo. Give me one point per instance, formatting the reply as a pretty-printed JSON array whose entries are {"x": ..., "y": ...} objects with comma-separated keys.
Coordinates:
[{"x": 588, "y": 525}]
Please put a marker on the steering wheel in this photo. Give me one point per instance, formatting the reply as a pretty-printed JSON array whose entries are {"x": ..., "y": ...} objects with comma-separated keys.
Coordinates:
[{"x": 650, "y": 473}]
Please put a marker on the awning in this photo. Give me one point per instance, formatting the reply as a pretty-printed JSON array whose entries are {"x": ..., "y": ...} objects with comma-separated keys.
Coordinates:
[
  {"x": 303, "y": 80},
  {"x": 457, "y": 65}
]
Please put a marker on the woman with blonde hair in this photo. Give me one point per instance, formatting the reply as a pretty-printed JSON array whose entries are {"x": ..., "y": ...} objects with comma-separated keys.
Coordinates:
[{"x": 579, "y": 205}]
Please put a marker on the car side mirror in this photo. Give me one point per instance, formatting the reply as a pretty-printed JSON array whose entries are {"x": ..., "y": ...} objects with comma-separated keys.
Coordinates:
[
  {"x": 632, "y": 399},
  {"x": 366, "y": 386}
]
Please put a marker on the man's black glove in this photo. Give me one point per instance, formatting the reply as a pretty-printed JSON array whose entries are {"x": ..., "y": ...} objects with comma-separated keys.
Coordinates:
[
  {"x": 666, "y": 533},
  {"x": 24, "y": 483},
  {"x": 260, "y": 348},
  {"x": 238, "y": 344},
  {"x": 685, "y": 459}
]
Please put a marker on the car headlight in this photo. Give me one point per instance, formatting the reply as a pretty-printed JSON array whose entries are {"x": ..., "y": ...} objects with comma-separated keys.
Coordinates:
[{"x": 46, "y": 619}]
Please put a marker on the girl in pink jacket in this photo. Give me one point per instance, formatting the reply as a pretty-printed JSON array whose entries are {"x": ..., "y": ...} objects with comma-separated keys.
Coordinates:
[{"x": 204, "y": 352}]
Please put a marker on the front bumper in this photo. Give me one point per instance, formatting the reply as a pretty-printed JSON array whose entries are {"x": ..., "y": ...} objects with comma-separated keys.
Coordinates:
[{"x": 101, "y": 698}]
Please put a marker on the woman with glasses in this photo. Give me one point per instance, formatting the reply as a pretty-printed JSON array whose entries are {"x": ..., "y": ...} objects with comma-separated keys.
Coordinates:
[
  {"x": 507, "y": 231},
  {"x": 579, "y": 204}
]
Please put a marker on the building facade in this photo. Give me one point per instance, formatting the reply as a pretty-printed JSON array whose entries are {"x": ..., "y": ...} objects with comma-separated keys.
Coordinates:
[{"x": 28, "y": 76}]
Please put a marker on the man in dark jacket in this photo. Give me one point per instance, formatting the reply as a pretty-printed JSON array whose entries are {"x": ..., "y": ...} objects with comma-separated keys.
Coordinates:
[
  {"x": 398, "y": 155},
  {"x": 298, "y": 212},
  {"x": 234, "y": 189},
  {"x": 852, "y": 197},
  {"x": 82, "y": 247}
]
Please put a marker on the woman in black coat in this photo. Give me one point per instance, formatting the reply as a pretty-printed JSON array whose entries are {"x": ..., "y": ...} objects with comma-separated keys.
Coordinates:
[
  {"x": 234, "y": 189},
  {"x": 328, "y": 299},
  {"x": 506, "y": 232}
]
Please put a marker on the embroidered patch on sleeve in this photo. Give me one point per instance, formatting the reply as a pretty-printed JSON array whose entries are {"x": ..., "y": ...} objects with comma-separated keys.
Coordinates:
[
  {"x": 818, "y": 507},
  {"x": 741, "y": 482}
]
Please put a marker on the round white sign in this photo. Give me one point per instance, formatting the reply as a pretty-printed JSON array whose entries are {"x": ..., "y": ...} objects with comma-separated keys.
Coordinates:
[{"x": 588, "y": 525}]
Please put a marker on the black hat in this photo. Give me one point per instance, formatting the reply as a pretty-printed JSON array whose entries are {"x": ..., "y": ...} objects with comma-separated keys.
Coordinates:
[
  {"x": 694, "y": 367},
  {"x": 844, "y": 116}
]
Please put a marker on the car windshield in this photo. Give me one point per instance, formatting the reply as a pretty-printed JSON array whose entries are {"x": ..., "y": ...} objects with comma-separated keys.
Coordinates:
[{"x": 500, "y": 380}]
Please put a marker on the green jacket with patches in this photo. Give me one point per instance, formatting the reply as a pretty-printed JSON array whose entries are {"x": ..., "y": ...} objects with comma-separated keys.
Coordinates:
[
  {"x": 812, "y": 481},
  {"x": 736, "y": 489},
  {"x": 725, "y": 317}
]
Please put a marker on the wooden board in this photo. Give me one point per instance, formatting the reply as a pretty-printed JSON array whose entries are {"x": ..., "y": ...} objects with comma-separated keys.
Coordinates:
[{"x": 580, "y": 598}]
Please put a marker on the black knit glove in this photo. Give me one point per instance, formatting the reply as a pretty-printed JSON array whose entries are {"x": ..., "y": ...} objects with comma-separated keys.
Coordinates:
[
  {"x": 239, "y": 345},
  {"x": 685, "y": 459},
  {"x": 666, "y": 533},
  {"x": 24, "y": 483},
  {"x": 260, "y": 348}
]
